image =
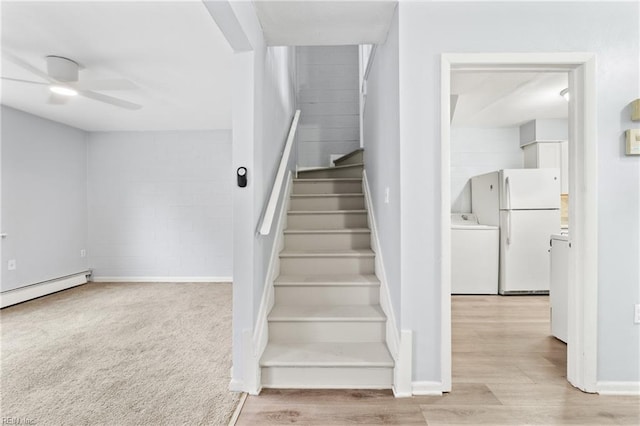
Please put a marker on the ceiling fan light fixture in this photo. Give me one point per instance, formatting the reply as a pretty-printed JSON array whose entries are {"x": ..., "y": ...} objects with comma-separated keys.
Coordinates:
[
  {"x": 565, "y": 94},
  {"x": 63, "y": 90}
]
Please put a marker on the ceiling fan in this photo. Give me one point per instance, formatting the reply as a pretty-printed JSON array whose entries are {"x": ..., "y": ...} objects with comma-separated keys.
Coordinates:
[{"x": 63, "y": 81}]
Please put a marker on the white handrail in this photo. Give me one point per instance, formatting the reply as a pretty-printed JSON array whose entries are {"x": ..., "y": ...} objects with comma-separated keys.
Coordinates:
[{"x": 269, "y": 212}]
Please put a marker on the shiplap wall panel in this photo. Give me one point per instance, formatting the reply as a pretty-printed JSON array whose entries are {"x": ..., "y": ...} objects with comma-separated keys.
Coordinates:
[
  {"x": 475, "y": 151},
  {"x": 327, "y": 95},
  {"x": 323, "y": 55},
  {"x": 319, "y": 95},
  {"x": 325, "y": 149},
  {"x": 329, "y": 121}
]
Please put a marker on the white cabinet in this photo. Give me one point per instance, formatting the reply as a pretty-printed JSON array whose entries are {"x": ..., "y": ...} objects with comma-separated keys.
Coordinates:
[
  {"x": 545, "y": 155},
  {"x": 558, "y": 286}
]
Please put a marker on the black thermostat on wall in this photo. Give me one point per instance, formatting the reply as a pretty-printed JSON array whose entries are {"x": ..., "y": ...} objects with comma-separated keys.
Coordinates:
[{"x": 242, "y": 176}]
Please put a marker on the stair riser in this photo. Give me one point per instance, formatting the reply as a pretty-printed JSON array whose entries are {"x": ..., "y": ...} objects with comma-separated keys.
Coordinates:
[
  {"x": 327, "y": 241},
  {"x": 326, "y": 265},
  {"x": 327, "y": 221},
  {"x": 328, "y": 202},
  {"x": 351, "y": 172},
  {"x": 327, "y": 378},
  {"x": 327, "y": 187},
  {"x": 327, "y": 295},
  {"x": 329, "y": 331},
  {"x": 357, "y": 158}
]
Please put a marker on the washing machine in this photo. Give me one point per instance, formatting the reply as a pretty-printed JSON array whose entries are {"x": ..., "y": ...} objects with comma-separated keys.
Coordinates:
[{"x": 474, "y": 255}]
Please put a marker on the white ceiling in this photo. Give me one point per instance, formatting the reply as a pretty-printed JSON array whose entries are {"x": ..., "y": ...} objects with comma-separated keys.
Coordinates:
[
  {"x": 504, "y": 99},
  {"x": 321, "y": 23},
  {"x": 173, "y": 51}
]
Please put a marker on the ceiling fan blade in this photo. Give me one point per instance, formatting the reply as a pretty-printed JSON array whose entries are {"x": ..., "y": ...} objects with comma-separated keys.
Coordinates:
[
  {"x": 56, "y": 99},
  {"x": 28, "y": 67},
  {"x": 109, "y": 100},
  {"x": 120, "y": 84},
  {"x": 19, "y": 80}
]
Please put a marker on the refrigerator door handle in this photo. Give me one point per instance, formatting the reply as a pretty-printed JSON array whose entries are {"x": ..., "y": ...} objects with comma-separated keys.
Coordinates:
[
  {"x": 507, "y": 188},
  {"x": 508, "y": 227}
]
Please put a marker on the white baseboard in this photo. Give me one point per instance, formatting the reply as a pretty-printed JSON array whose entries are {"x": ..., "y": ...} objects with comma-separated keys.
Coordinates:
[
  {"x": 400, "y": 344},
  {"x": 618, "y": 388},
  {"x": 162, "y": 279},
  {"x": 34, "y": 291},
  {"x": 426, "y": 388}
]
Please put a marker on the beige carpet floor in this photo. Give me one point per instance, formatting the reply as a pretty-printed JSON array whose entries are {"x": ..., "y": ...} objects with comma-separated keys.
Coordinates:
[{"x": 119, "y": 354}]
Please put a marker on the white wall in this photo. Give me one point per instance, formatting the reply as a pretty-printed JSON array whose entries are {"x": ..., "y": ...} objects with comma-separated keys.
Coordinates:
[
  {"x": 44, "y": 199},
  {"x": 264, "y": 103},
  {"x": 160, "y": 204},
  {"x": 611, "y": 31},
  {"x": 327, "y": 95},
  {"x": 475, "y": 151},
  {"x": 382, "y": 154}
]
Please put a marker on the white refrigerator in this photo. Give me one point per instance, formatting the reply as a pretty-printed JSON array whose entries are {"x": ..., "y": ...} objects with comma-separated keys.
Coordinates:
[{"x": 525, "y": 204}]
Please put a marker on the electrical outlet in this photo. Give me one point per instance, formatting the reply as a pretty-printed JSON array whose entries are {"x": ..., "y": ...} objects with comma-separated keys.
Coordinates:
[
  {"x": 11, "y": 265},
  {"x": 83, "y": 253},
  {"x": 636, "y": 319},
  {"x": 386, "y": 195}
]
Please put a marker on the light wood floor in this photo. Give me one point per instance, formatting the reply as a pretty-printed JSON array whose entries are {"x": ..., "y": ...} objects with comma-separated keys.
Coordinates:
[{"x": 507, "y": 370}]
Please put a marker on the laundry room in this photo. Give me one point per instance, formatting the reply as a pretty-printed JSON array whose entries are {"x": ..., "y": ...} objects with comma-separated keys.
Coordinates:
[
  {"x": 509, "y": 171},
  {"x": 509, "y": 161}
]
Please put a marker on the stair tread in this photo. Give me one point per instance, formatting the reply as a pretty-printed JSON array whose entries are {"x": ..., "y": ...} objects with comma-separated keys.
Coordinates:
[
  {"x": 328, "y": 253},
  {"x": 320, "y": 180},
  {"x": 338, "y": 279},
  {"x": 357, "y": 211},
  {"x": 323, "y": 169},
  {"x": 326, "y": 354},
  {"x": 349, "y": 155},
  {"x": 350, "y": 194},
  {"x": 311, "y": 313},
  {"x": 329, "y": 231}
]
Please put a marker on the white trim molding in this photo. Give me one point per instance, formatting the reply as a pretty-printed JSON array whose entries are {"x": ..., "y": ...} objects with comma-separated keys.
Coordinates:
[
  {"x": 400, "y": 344},
  {"x": 261, "y": 331},
  {"x": 19, "y": 295},
  {"x": 162, "y": 279},
  {"x": 427, "y": 388},
  {"x": 393, "y": 337},
  {"x": 619, "y": 388},
  {"x": 582, "y": 346}
]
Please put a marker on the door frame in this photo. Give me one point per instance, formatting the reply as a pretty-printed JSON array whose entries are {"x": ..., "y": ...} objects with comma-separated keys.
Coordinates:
[{"x": 583, "y": 202}]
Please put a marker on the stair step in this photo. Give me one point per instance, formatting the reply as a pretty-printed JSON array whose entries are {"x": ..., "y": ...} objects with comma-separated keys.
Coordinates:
[
  {"x": 327, "y": 313},
  {"x": 347, "y": 171},
  {"x": 347, "y": 330},
  {"x": 299, "y": 262},
  {"x": 327, "y": 186},
  {"x": 327, "y": 323},
  {"x": 326, "y": 354},
  {"x": 327, "y": 280},
  {"x": 335, "y": 219},
  {"x": 327, "y": 294},
  {"x": 320, "y": 254},
  {"x": 327, "y": 290},
  {"x": 334, "y": 239},
  {"x": 326, "y": 202},
  {"x": 353, "y": 157},
  {"x": 327, "y": 378}
]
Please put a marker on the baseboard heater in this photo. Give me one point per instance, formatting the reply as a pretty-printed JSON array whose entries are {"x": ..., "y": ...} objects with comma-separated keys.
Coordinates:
[{"x": 33, "y": 291}]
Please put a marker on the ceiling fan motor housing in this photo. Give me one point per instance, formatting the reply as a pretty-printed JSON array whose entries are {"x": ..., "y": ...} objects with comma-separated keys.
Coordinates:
[{"x": 62, "y": 69}]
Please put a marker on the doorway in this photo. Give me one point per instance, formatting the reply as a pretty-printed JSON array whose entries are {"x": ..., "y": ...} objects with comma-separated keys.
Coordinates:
[{"x": 582, "y": 258}]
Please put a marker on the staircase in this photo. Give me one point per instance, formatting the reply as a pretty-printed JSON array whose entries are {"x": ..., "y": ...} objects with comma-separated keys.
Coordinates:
[{"x": 326, "y": 328}]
